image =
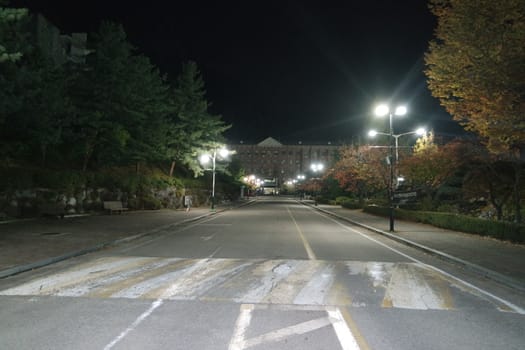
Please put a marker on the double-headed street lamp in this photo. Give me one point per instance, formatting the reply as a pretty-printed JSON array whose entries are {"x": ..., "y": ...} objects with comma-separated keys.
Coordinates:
[
  {"x": 420, "y": 132},
  {"x": 381, "y": 111},
  {"x": 205, "y": 159},
  {"x": 316, "y": 168}
]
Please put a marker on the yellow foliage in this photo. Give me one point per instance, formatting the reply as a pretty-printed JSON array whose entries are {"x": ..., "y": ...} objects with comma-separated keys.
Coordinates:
[{"x": 476, "y": 67}]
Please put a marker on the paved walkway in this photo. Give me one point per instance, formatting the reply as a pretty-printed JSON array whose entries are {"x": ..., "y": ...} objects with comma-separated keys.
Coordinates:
[
  {"x": 28, "y": 244},
  {"x": 31, "y": 243},
  {"x": 499, "y": 260}
]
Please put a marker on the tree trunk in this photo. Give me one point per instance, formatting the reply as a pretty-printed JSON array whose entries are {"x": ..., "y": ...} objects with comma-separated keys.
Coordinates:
[
  {"x": 43, "y": 149},
  {"x": 499, "y": 209},
  {"x": 90, "y": 147},
  {"x": 517, "y": 191},
  {"x": 498, "y": 205},
  {"x": 172, "y": 168},
  {"x": 87, "y": 156}
]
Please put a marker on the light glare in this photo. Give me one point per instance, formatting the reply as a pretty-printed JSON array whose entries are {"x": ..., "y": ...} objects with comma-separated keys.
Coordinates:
[
  {"x": 401, "y": 110},
  {"x": 204, "y": 158},
  {"x": 382, "y": 110}
]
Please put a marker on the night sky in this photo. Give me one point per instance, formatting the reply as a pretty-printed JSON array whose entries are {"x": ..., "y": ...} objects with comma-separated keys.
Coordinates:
[{"x": 295, "y": 70}]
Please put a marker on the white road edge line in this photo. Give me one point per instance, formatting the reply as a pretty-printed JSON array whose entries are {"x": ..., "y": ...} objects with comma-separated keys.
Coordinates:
[
  {"x": 283, "y": 333},
  {"x": 510, "y": 305},
  {"x": 157, "y": 303},
  {"x": 134, "y": 325},
  {"x": 243, "y": 321},
  {"x": 343, "y": 332},
  {"x": 335, "y": 319},
  {"x": 309, "y": 251}
]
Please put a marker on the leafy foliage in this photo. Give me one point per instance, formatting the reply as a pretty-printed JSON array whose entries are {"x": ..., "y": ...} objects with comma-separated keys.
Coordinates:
[
  {"x": 501, "y": 230},
  {"x": 10, "y": 18},
  {"x": 430, "y": 165},
  {"x": 476, "y": 67},
  {"x": 362, "y": 170},
  {"x": 194, "y": 130},
  {"x": 115, "y": 110}
]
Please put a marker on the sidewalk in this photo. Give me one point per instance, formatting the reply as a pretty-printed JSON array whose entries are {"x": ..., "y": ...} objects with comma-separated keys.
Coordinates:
[
  {"x": 32, "y": 243},
  {"x": 498, "y": 260}
]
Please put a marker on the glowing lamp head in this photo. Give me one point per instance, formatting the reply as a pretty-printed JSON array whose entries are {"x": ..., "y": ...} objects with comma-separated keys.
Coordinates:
[
  {"x": 400, "y": 110},
  {"x": 204, "y": 159},
  {"x": 382, "y": 110}
]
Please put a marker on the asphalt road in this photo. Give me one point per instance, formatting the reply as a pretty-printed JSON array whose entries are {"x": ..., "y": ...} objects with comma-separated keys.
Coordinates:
[{"x": 272, "y": 275}]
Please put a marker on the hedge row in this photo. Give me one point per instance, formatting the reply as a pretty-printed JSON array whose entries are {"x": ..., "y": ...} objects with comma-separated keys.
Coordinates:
[
  {"x": 498, "y": 229},
  {"x": 351, "y": 204}
]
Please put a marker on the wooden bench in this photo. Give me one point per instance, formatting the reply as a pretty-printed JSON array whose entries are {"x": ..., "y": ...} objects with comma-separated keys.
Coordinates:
[{"x": 114, "y": 206}]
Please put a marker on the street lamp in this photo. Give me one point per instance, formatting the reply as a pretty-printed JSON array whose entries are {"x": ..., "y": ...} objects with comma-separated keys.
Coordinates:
[
  {"x": 316, "y": 168},
  {"x": 420, "y": 132},
  {"x": 205, "y": 159},
  {"x": 381, "y": 111}
]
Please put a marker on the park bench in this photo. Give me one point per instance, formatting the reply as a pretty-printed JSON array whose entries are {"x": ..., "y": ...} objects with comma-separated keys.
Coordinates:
[{"x": 114, "y": 206}]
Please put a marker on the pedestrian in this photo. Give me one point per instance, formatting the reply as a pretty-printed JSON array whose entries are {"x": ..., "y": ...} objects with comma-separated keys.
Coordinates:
[{"x": 187, "y": 202}]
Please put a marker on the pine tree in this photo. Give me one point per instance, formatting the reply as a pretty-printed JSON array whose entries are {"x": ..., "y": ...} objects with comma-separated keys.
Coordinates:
[
  {"x": 9, "y": 18},
  {"x": 194, "y": 129}
]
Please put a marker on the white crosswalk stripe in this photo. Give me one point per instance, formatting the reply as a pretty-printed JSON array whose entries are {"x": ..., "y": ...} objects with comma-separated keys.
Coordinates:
[{"x": 294, "y": 282}]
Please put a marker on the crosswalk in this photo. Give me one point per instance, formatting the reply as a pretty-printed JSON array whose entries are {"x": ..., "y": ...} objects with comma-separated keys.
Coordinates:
[{"x": 253, "y": 281}]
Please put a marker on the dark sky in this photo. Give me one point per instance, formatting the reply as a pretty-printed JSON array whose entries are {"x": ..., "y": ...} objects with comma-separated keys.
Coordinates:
[{"x": 292, "y": 69}]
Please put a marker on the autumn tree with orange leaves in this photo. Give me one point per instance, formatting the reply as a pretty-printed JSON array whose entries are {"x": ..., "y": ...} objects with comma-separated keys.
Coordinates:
[
  {"x": 430, "y": 165},
  {"x": 362, "y": 170},
  {"x": 476, "y": 68}
]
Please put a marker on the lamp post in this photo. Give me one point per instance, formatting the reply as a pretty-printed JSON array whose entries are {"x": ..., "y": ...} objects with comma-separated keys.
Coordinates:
[
  {"x": 316, "y": 168},
  {"x": 205, "y": 159},
  {"x": 420, "y": 131},
  {"x": 381, "y": 111}
]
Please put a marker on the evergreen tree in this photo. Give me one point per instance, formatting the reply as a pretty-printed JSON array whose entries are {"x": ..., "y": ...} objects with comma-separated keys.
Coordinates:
[
  {"x": 149, "y": 105},
  {"x": 121, "y": 104},
  {"x": 195, "y": 130},
  {"x": 33, "y": 101},
  {"x": 10, "y": 50}
]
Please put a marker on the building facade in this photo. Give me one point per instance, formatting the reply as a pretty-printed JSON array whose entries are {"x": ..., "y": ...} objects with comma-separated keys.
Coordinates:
[
  {"x": 270, "y": 159},
  {"x": 58, "y": 47}
]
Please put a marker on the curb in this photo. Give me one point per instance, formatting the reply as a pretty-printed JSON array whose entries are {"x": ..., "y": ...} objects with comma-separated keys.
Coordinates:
[{"x": 484, "y": 272}]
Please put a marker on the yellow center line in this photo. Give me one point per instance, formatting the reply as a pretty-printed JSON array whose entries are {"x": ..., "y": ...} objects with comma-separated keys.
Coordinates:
[{"x": 307, "y": 247}]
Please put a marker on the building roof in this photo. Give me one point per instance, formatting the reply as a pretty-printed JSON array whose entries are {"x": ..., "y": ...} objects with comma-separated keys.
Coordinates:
[{"x": 269, "y": 142}]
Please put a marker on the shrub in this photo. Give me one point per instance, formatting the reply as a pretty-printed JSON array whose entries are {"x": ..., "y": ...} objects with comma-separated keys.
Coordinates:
[
  {"x": 339, "y": 200},
  {"x": 498, "y": 229},
  {"x": 351, "y": 204},
  {"x": 321, "y": 200},
  {"x": 151, "y": 203}
]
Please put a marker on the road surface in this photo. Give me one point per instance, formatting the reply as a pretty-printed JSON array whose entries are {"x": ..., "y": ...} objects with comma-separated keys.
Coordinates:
[{"x": 272, "y": 275}]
